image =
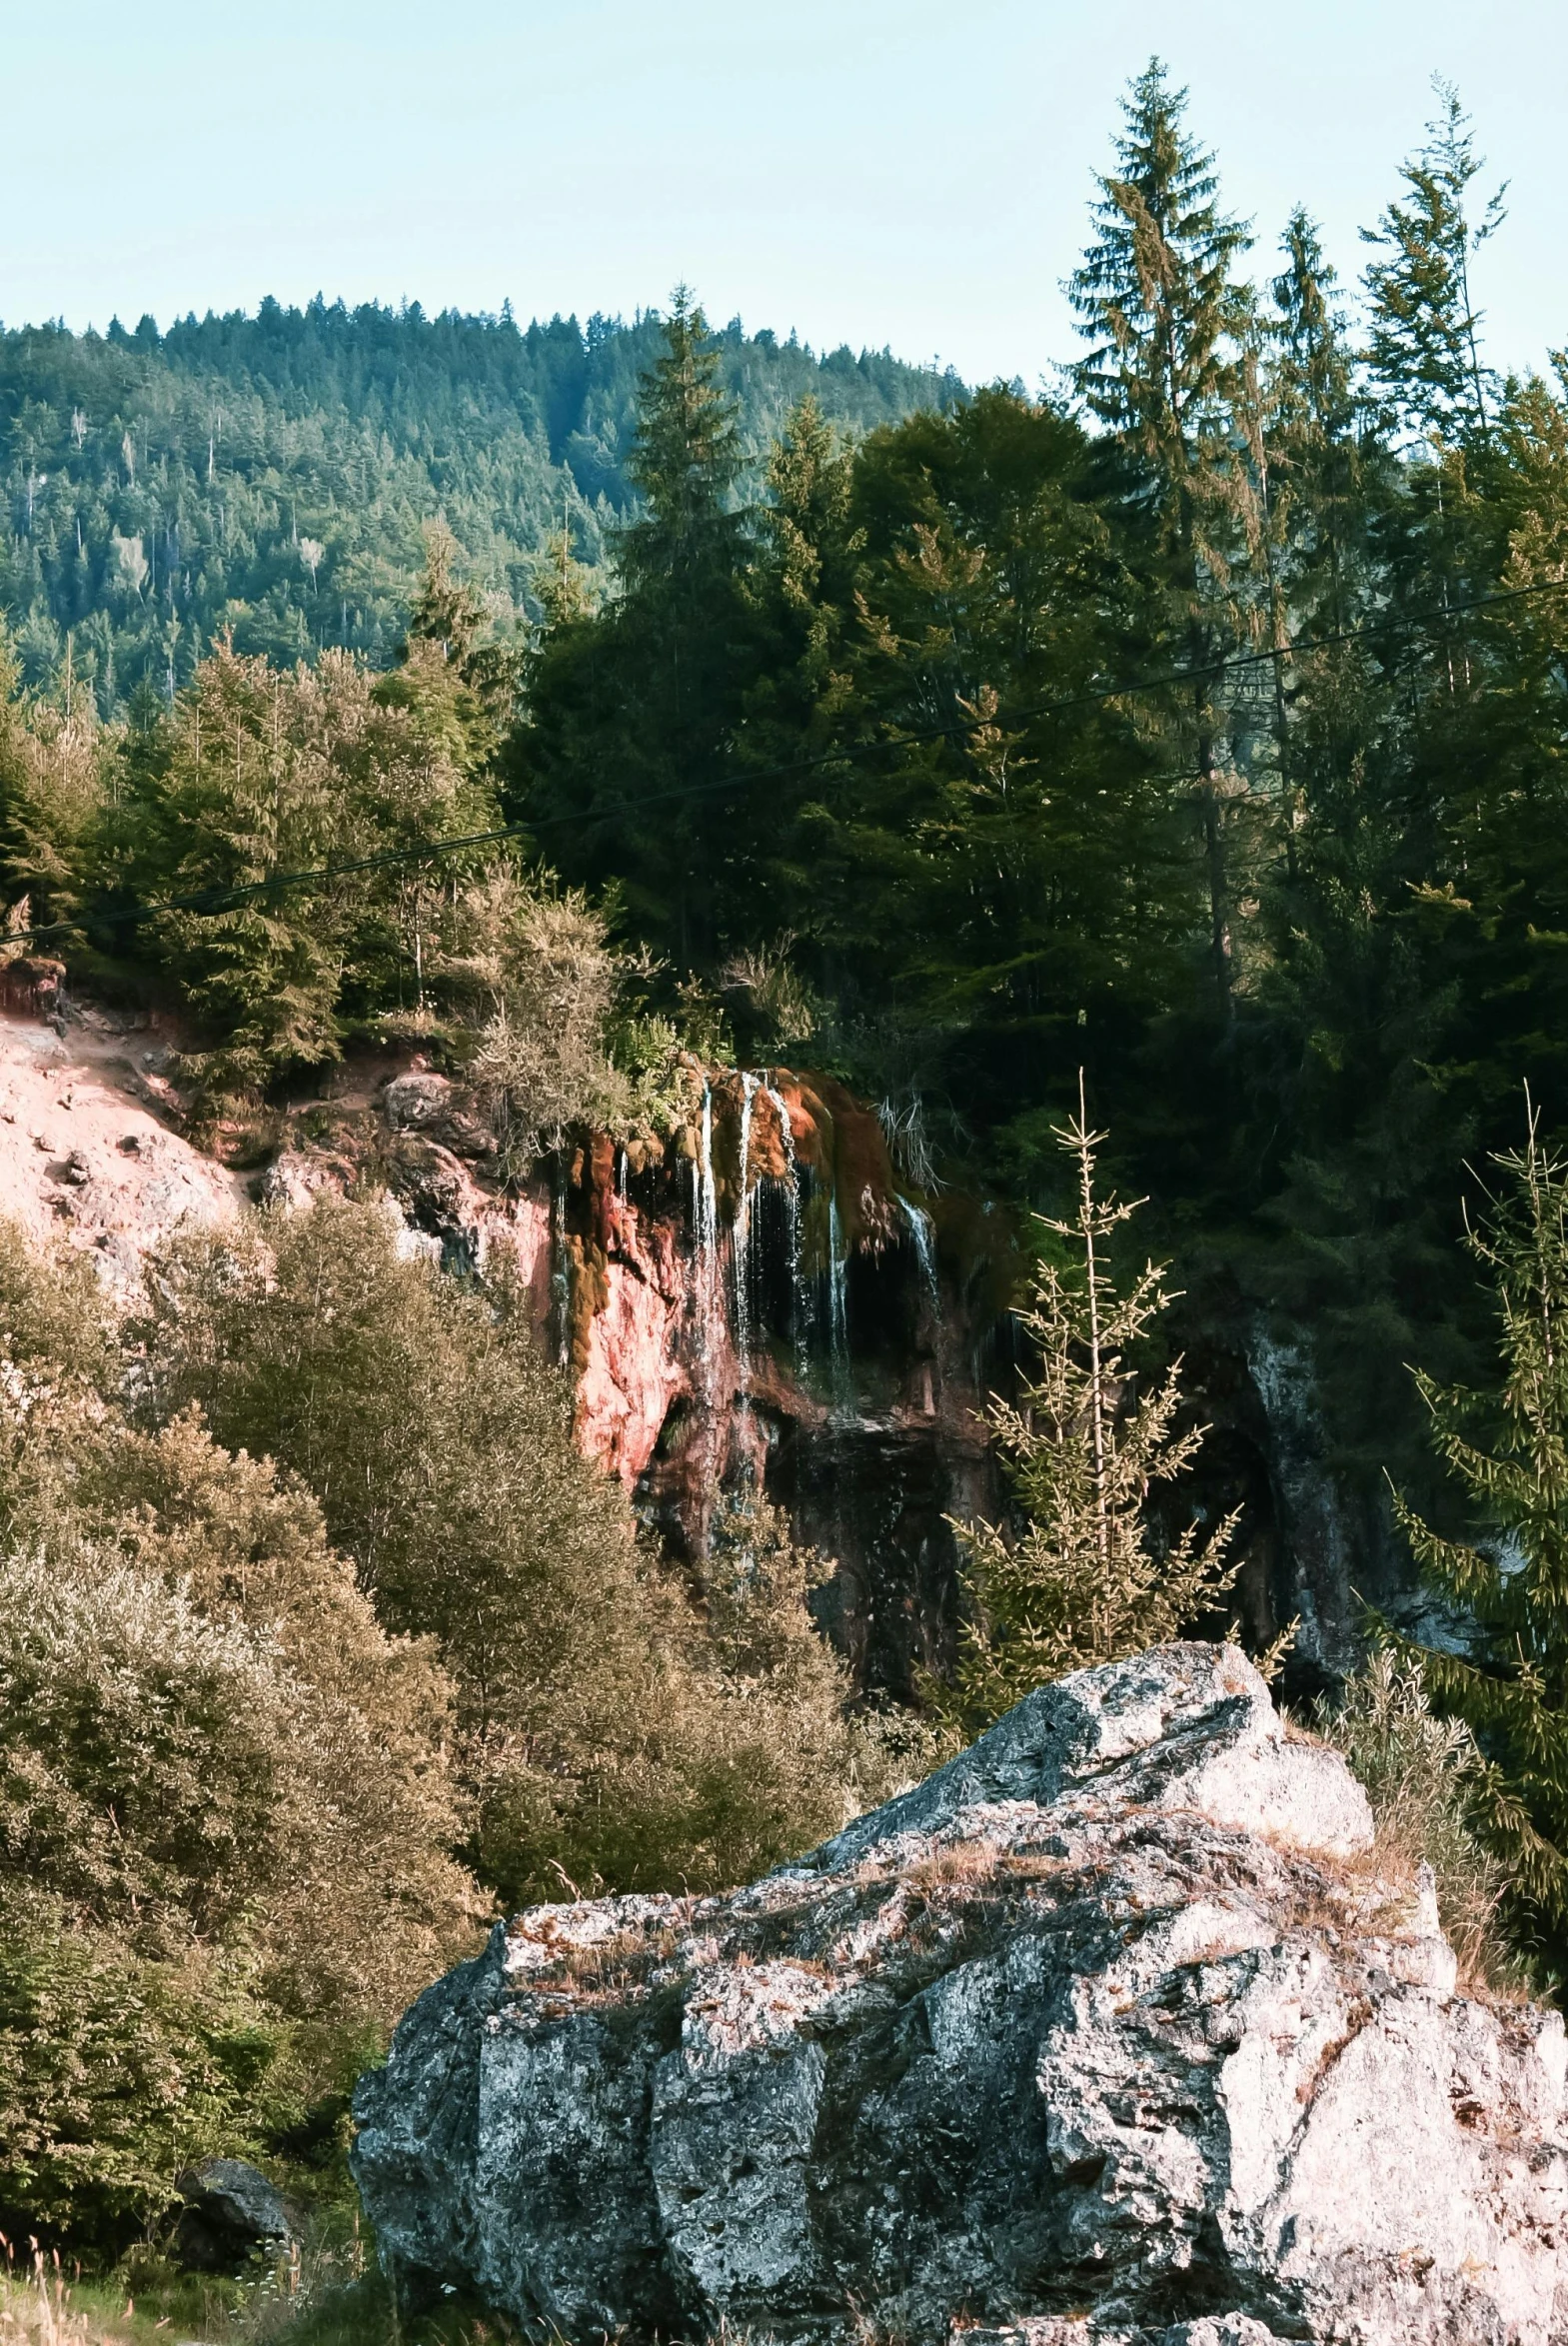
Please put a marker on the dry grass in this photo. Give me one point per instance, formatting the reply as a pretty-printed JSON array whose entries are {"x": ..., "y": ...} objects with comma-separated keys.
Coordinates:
[
  {"x": 40, "y": 2307},
  {"x": 1419, "y": 1772}
]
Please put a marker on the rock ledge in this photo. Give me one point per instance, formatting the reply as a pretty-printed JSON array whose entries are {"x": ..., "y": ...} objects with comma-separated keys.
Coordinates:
[{"x": 1110, "y": 2031}]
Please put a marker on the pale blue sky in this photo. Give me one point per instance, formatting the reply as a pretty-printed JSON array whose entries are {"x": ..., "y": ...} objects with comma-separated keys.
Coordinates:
[{"x": 862, "y": 171}]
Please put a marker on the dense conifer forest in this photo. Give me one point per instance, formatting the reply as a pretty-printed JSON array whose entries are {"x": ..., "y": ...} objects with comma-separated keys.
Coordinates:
[
  {"x": 562, "y": 702},
  {"x": 268, "y": 476}
]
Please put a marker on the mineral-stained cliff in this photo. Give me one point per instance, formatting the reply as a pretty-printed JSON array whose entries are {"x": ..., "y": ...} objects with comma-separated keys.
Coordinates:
[
  {"x": 1116, "y": 2029},
  {"x": 765, "y": 1298},
  {"x": 760, "y": 1301}
]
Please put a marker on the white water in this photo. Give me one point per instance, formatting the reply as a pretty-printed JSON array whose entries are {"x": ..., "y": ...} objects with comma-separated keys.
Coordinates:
[
  {"x": 924, "y": 1238},
  {"x": 707, "y": 1202},
  {"x": 837, "y": 1285},
  {"x": 740, "y": 1237},
  {"x": 801, "y": 1314}
]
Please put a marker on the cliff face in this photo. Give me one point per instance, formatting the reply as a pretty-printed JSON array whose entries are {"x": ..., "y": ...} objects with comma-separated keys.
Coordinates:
[
  {"x": 760, "y": 1303},
  {"x": 764, "y": 1300},
  {"x": 1116, "y": 2030}
]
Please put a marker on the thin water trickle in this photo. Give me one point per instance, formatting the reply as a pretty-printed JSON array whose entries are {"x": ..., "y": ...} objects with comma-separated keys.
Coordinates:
[
  {"x": 800, "y": 1302},
  {"x": 837, "y": 1285},
  {"x": 740, "y": 1237},
  {"x": 924, "y": 1238},
  {"x": 708, "y": 1295}
]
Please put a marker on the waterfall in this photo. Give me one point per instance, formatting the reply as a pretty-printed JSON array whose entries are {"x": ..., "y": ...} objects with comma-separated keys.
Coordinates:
[
  {"x": 838, "y": 1284},
  {"x": 705, "y": 1199},
  {"x": 740, "y": 1237},
  {"x": 620, "y": 1177},
  {"x": 800, "y": 1305},
  {"x": 924, "y": 1238}
]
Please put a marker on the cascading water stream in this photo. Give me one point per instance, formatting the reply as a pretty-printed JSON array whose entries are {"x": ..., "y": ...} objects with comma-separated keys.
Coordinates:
[
  {"x": 741, "y": 1238},
  {"x": 923, "y": 1238},
  {"x": 800, "y": 1305},
  {"x": 707, "y": 1202},
  {"x": 837, "y": 1288}
]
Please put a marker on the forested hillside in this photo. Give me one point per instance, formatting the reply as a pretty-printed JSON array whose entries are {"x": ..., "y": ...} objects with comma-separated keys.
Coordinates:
[{"x": 268, "y": 474}]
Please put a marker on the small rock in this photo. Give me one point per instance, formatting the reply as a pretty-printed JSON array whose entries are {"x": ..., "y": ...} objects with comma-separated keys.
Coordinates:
[
  {"x": 417, "y": 1099},
  {"x": 231, "y": 2210}
]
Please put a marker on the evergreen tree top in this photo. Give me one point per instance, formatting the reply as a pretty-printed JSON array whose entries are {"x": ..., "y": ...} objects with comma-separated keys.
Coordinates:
[
  {"x": 1423, "y": 353},
  {"x": 1154, "y": 291}
]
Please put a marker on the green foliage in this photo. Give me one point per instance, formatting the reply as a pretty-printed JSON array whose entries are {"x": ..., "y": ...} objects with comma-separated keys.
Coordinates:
[
  {"x": 610, "y": 1725},
  {"x": 1082, "y": 1580},
  {"x": 274, "y": 476},
  {"x": 1511, "y": 1457},
  {"x": 115, "y": 2070},
  {"x": 1157, "y": 300},
  {"x": 555, "y": 986},
  {"x": 264, "y": 1670},
  {"x": 225, "y": 1805},
  {"x": 1423, "y": 354}
]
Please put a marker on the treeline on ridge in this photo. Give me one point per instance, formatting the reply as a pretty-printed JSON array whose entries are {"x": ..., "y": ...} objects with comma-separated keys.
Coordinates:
[{"x": 268, "y": 477}]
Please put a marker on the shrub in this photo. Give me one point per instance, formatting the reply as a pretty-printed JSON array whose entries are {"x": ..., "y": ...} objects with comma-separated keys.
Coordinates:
[
  {"x": 227, "y": 1812},
  {"x": 615, "y": 1726},
  {"x": 1423, "y": 1777}
]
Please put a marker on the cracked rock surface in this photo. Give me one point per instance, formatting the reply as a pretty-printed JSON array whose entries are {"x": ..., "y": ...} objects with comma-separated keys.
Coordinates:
[{"x": 1111, "y": 2031}]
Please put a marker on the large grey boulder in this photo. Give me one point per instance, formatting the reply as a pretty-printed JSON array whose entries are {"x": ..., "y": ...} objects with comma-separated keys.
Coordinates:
[{"x": 1114, "y": 2029}]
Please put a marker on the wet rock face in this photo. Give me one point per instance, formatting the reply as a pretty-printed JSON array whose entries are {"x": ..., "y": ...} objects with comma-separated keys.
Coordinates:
[
  {"x": 1110, "y": 2031},
  {"x": 758, "y": 1303}
]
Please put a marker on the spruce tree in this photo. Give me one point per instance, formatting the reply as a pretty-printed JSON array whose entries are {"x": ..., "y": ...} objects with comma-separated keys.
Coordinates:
[
  {"x": 1510, "y": 1454},
  {"x": 1084, "y": 1580},
  {"x": 1315, "y": 456},
  {"x": 1423, "y": 353},
  {"x": 633, "y": 709},
  {"x": 686, "y": 455},
  {"x": 1159, "y": 306}
]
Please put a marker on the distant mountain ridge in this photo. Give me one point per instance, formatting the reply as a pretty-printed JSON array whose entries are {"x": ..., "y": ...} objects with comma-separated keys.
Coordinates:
[{"x": 272, "y": 473}]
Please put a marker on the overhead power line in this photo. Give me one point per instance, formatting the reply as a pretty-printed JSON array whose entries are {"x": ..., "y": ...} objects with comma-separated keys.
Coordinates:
[{"x": 224, "y": 898}]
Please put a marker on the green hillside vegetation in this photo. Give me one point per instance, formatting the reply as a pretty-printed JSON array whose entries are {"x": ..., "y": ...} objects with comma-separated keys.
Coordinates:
[
  {"x": 308, "y": 1672},
  {"x": 270, "y": 476}
]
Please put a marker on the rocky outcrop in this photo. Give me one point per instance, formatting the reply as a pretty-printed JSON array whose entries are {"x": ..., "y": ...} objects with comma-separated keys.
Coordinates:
[
  {"x": 86, "y": 1153},
  {"x": 231, "y": 2213},
  {"x": 1116, "y": 2029},
  {"x": 765, "y": 1298}
]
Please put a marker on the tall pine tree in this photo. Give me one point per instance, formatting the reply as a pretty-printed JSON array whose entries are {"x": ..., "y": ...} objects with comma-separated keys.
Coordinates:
[
  {"x": 1159, "y": 306},
  {"x": 625, "y": 763}
]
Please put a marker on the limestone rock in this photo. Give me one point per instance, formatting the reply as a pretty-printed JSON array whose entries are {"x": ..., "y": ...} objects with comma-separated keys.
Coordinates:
[{"x": 1111, "y": 2031}]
